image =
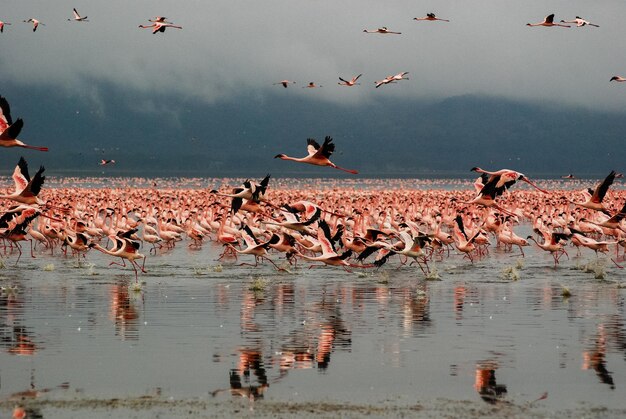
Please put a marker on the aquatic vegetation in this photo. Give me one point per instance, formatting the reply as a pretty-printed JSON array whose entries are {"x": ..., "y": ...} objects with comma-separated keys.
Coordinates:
[
  {"x": 218, "y": 268},
  {"x": 2, "y": 264},
  {"x": 49, "y": 267},
  {"x": 433, "y": 275},
  {"x": 520, "y": 263},
  {"x": 258, "y": 284},
  {"x": 565, "y": 292},
  {"x": 91, "y": 269},
  {"x": 510, "y": 273},
  {"x": 136, "y": 286}
]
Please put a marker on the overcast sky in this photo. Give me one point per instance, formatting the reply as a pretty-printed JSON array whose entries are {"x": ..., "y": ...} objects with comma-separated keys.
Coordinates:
[{"x": 230, "y": 46}]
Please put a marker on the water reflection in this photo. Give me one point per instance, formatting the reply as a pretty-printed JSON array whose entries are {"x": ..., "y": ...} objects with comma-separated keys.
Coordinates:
[
  {"x": 595, "y": 358},
  {"x": 485, "y": 382},
  {"x": 123, "y": 312},
  {"x": 249, "y": 379}
]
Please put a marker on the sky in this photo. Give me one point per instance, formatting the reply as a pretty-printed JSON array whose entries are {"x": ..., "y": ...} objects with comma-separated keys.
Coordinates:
[
  {"x": 136, "y": 87},
  {"x": 227, "y": 47}
]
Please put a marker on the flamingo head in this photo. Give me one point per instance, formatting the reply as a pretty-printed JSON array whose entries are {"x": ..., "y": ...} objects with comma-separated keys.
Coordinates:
[
  {"x": 279, "y": 156},
  {"x": 525, "y": 179}
]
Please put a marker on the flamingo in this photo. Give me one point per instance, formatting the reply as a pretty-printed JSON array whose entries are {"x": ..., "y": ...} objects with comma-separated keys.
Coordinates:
[
  {"x": 579, "y": 21},
  {"x": 400, "y": 76},
  {"x": 350, "y": 82},
  {"x": 318, "y": 155},
  {"x": 284, "y": 83},
  {"x": 506, "y": 178},
  {"x": 311, "y": 85},
  {"x": 552, "y": 242},
  {"x": 255, "y": 247},
  {"x": 124, "y": 248},
  {"x": 386, "y": 80},
  {"x": 614, "y": 222},
  {"x": 2, "y": 25},
  {"x": 159, "y": 19},
  {"x": 251, "y": 191},
  {"x": 329, "y": 255},
  {"x": 595, "y": 197},
  {"x": 77, "y": 17},
  {"x": 26, "y": 189},
  {"x": 618, "y": 79},
  {"x": 160, "y": 26},
  {"x": 35, "y": 23},
  {"x": 548, "y": 21},
  {"x": 430, "y": 16},
  {"x": 10, "y": 130},
  {"x": 105, "y": 162},
  {"x": 382, "y": 30}
]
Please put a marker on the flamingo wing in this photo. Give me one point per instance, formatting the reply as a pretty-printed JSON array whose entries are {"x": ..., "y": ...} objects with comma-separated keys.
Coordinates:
[
  {"x": 323, "y": 235},
  {"x": 598, "y": 194},
  {"x": 5, "y": 114},
  {"x": 327, "y": 149},
  {"x": 13, "y": 130},
  {"x": 549, "y": 18},
  {"x": 312, "y": 146}
]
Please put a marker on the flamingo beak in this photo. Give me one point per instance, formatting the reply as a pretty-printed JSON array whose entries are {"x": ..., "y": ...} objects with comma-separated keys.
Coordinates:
[{"x": 525, "y": 179}]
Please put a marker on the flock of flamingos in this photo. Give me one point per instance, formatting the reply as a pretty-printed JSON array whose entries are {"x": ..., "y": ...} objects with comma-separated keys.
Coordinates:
[{"x": 342, "y": 227}]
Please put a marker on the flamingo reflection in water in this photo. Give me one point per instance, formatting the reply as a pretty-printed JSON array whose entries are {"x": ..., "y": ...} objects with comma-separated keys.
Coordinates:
[{"x": 485, "y": 382}]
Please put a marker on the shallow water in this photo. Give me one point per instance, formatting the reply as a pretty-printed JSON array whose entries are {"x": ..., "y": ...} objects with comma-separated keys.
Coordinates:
[{"x": 498, "y": 330}]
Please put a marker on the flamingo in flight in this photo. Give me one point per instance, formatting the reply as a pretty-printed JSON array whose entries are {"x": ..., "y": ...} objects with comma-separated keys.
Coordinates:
[
  {"x": 595, "y": 197},
  {"x": 26, "y": 189},
  {"x": 430, "y": 16},
  {"x": 350, "y": 82},
  {"x": 548, "y": 21},
  {"x": 579, "y": 21},
  {"x": 318, "y": 155},
  {"x": 618, "y": 79},
  {"x": 392, "y": 79},
  {"x": 2, "y": 25},
  {"x": 506, "y": 178},
  {"x": 311, "y": 85},
  {"x": 160, "y": 26},
  {"x": 10, "y": 130},
  {"x": 159, "y": 19},
  {"x": 35, "y": 23},
  {"x": 382, "y": 30},
  {"x": 285, "y": 83},
  {"x": 77, "y": 17},
  {"x": 105, "y": 162}
]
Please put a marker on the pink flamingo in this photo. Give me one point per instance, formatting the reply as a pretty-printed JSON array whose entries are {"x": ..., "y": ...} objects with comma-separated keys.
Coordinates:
[{"x": 318, "y": 155}]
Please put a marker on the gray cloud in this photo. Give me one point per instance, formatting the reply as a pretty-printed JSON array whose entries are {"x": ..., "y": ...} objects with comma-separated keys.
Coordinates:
[{"x": 230, "y": 46}]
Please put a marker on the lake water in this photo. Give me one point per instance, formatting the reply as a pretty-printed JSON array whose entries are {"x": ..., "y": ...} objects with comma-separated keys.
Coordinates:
[
  {"x": 496, "y": 331},
  {"x": 199, "y": 335}
]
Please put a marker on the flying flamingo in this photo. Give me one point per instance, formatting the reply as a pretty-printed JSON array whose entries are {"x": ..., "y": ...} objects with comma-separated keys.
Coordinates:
[
  {"x": 159, "y": 19},
  {"x": 9, "y": 130},
  {"x": 35, "y": 23},
  {"x": 311, "y": 85},
  {"x": 105, "y": 162},
  {"x": 350, "y": 82},
  {"x": 77, "y": 17},
  {"x": 285, "y": 83},
  {"x": 430, "y": 16},
  {"x": 595, "y": 197},
  {"x": 160, "y": 26},
  {"x": 506, "y": 178},
  {"x": 579, "y": 21},
  {"x": 382, "y": 30},
  {"x": 400, "y": 76},
  {"x": 26, "y": 189},
  {"x": 619, "y": 79},
  {"x": 2, "y": 25},
  {"x": 386, "y": 80},
  {"x": 548, "y": 21},
  {"x": 318, "y": 155}
]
